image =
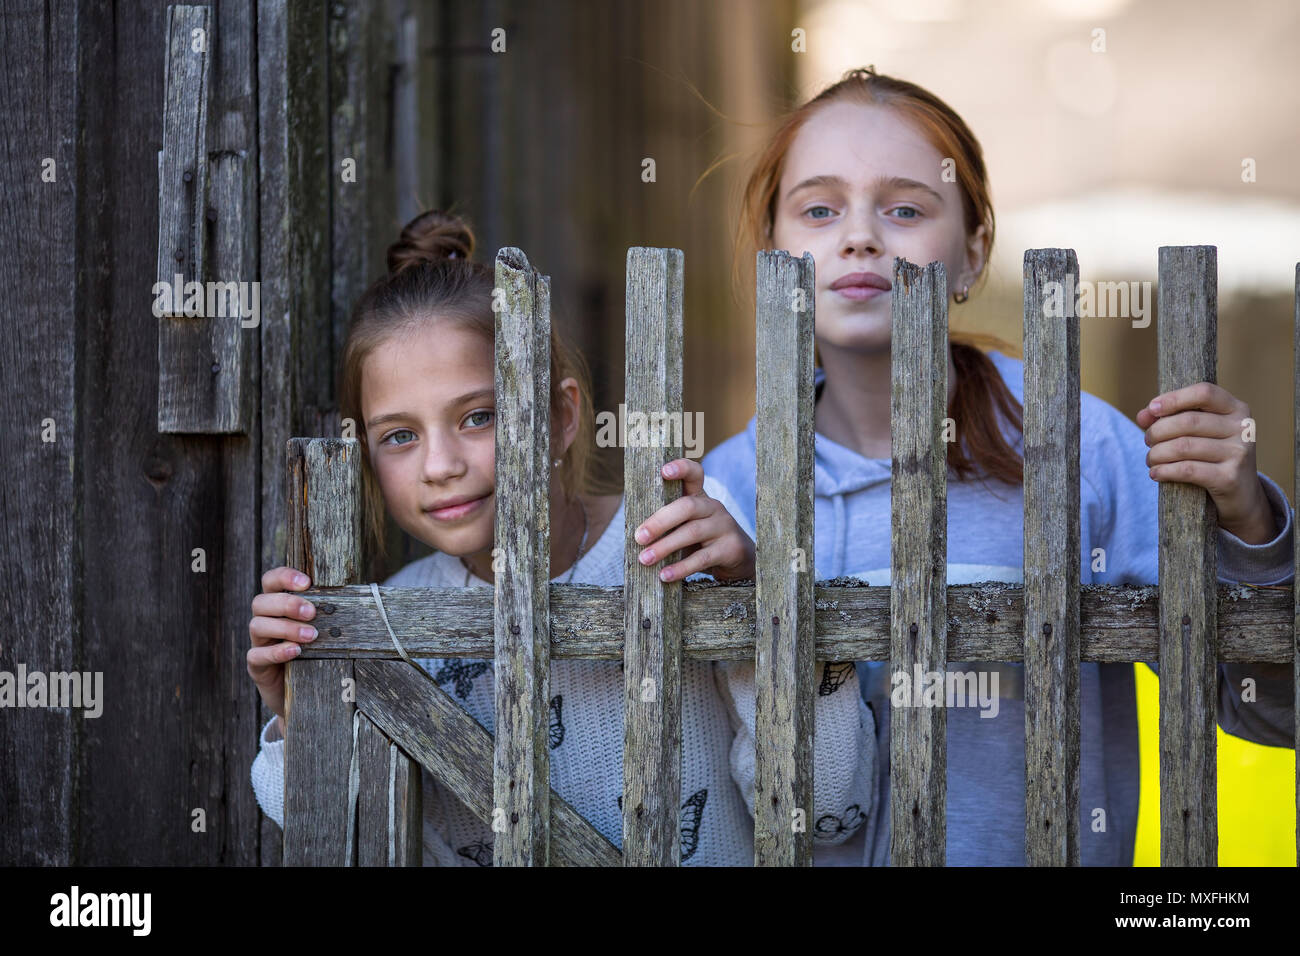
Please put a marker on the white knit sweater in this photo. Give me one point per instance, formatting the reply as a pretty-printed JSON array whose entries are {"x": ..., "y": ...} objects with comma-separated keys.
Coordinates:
[{"x": 587, "y": 700}]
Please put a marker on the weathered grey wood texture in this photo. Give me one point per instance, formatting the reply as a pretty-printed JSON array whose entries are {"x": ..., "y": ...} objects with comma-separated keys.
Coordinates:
[
  {"x": 1051, "y": 549},
  {"x": 411, "y": 710},
  {"x": 42, "y": 557},
  {"x": 918, "y": 558},
  {"x": 207, "y": 226},
  {"x": 652, "y": 609},
  {"x": 522, "y": 563},
  {"x": 985, "y": 622},
  {"x": 1188, "y": 341},
  {"x": 183, "y": 159},
  {"x": 783, "y": 597},
  {"x": 320, "y": 701},
  {"x": 390, "y": 817}
]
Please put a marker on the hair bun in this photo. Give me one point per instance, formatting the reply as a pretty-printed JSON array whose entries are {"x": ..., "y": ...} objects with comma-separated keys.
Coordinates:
[{"x": 429, "y": 237}]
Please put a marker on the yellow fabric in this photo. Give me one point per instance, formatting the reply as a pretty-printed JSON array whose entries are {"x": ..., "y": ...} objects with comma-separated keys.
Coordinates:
[{"x": 1256, "y": 792}]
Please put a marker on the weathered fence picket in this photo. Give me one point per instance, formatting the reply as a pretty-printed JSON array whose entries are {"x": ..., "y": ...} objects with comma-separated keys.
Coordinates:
[
  {"x": 1051, "y": 491},
  {"x": 785, "y": 621},
  {"x": 918, "y": 559},
  {"x": 783, "y": 597},
  {"x": 324, "y": 539},
  {"x": 1188, "y": 338},
  {"x": 390, "y": 820},
  {"x": 521, "y": 622},
  {"x": 652, "y": 615}
]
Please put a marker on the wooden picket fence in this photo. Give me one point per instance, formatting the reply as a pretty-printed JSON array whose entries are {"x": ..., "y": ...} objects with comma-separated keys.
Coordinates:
[{"x": 352, "y": 786}]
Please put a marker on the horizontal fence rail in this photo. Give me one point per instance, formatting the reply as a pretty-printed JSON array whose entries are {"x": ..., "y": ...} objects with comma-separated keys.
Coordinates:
[
  {"x": 1118, "y": 624},
  {"x": 352, "y": 784}
]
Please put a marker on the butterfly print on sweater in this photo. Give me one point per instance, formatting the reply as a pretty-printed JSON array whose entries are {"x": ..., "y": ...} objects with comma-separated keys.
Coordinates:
[
  {"x": 461, "y": 674},
  {"x": 480, "y": 853},
  {"x": 692, "y": 817},
  {"x": 557, "y": 725},
  {"x": 834, "y": 674},
  {"x": 830, "y": 825}
]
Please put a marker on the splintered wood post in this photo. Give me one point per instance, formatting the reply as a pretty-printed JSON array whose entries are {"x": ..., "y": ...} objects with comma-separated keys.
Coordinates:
[
  {"x": 521, "y": 613},
  {"x": 1295, "y": 581},
  {"x": 783, "y": 598},
  {"x": 919, "y": 562},
  {"x": 1188, "y": 339},
  {"x": 324, "y": 543},
  {"x": 390, "y": 821},
  {"x": 1051, "y": 547},
  {"x": 652, "y": 649}
]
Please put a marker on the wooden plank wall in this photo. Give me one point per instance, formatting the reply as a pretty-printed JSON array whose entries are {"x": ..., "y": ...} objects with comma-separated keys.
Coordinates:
[
  {"x": 41, "y": 556},
  {"x": 168, "y": 629}
]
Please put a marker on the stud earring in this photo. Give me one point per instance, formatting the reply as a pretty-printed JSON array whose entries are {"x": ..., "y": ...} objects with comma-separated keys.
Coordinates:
[
  {"x": 960, "y": 297},
  {"x": 556, "y": 463}
]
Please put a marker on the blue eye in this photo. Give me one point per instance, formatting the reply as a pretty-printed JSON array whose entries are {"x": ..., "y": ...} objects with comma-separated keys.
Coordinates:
[
  {"x": 809, "y": 211},
  {"x": 916, "y": 213},
  {"x": 473, "y": 415},
  {"x": 394, "y": 434}
]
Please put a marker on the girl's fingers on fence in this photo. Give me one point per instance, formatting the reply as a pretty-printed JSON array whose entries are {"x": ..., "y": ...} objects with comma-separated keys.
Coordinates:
[
  {"x": 700, "y": 560},
  {"x": 1186, "y": 448},
  {"x": 671, "y": 515},
  {"x": 270, "y": 656},
  {"x": 1207, "y": 475},
  {"x": 266, "y": 630},
  {"x": 1198, "y": 424},
  {"x": 686, "y": 537},
  {"x": 284, "y": 579},
  {"x": 1205, "y": 396},
  {"x": 280, "y": 604},
  {"x": 689, "y": 472}
]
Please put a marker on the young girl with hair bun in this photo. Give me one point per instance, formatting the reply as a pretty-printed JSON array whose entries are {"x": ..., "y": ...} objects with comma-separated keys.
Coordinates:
[
  {"x": 419, "y": 380},
  {"x": 856, "y": 176}
]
